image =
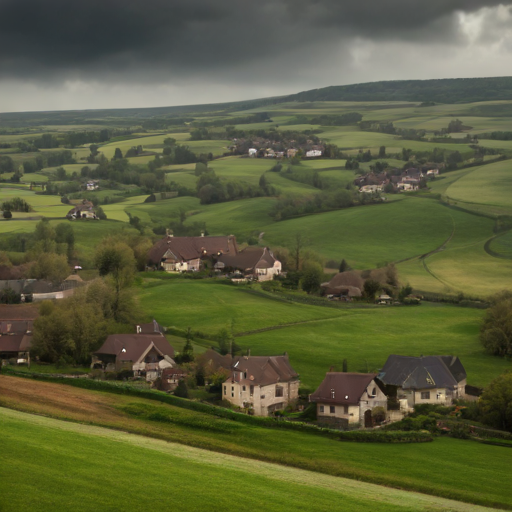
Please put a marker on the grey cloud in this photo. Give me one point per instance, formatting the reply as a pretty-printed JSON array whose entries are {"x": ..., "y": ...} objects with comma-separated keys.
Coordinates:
[{"x": 152, "y": 39}]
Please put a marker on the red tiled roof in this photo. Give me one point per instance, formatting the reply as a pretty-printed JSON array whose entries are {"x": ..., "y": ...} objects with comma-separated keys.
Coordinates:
[
  {"x": 15, "y": 343},
  {"x": 342, "y": 388},
  {"x": 130, "y": 347},
  {"x": 265, "y": 370},
  {"x": 186, "y": 248},
  {"x": 249, "y": 259}
]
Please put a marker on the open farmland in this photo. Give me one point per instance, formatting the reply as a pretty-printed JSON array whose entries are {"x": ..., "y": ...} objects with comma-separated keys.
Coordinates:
[
  {"x": 489, "y": 185},
  {"x": 479, "y": 471},
  {"x": 318, "y": 337}
]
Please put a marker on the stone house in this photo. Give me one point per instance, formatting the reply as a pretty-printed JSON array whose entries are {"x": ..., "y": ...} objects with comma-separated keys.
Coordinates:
[
  {"x": 147, "y": 355},
  {"x": 345, "y": 399},
  {"x": 186, "y": 253},
  {"x": 424, "y": 380},
  {"x": 263, "y": 384},
  {"x": 256, "y": 262}
]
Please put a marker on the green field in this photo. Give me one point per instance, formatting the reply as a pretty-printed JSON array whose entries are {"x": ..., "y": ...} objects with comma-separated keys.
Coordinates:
[
  {"x": 318, "y": 337},
  {"x": 488, "y": 185},
  {"x": 86, "y": 454}
]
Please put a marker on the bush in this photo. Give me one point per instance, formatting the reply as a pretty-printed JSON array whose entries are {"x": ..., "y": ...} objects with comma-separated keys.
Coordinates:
[{"x": 7, "y": 214}]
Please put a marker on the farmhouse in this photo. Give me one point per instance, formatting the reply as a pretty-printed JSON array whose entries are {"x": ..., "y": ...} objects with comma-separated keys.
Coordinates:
[
  {"x": 346, "y": 399},
  {"x": 425, "y": 379},
  {"x": 344, "y": 284},
  {"x": 171, "y": 378},
  {"x": 262, "y": 384},
  {"x": 255, "y": 262},
  {"x": 15, "y": 348},
  {"x": 82, "y": 211},
  {"x": 144, "y": 354},
  {"x": 313, "y": 153},
  {"x": 181, "y": 254}
]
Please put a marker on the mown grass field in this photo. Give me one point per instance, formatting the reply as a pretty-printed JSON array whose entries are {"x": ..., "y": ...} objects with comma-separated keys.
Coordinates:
[
  {"x": 478, "y": 473},
  {"x": 317, "y": 337},
  {"x": 489, "y": 185}
]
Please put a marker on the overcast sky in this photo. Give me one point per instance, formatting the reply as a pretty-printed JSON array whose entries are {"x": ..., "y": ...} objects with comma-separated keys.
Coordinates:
[{"x": 62, "y": 54}]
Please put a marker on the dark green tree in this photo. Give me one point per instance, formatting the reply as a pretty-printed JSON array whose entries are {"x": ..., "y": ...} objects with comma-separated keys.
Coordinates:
[
  {"x": 118, "y": 155},
  {"x": 496, "y": 402}
]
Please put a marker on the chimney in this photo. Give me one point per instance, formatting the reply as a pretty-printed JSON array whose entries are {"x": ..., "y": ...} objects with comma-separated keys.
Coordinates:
[
  {"x": 202, "y": 233},
  {"x": 169, "y": 232}
]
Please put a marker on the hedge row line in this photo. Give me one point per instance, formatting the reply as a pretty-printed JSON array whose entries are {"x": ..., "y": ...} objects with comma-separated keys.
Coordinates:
[{"x": 268, "y": 422}]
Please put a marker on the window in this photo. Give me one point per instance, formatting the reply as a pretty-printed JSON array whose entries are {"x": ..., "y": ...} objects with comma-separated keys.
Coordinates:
[
  {"x": 225, "y": 390},
  {"x": 374, "y": 392},
  {"x": 345, "y": 409},
  {"x": 425, "y": 395},
  {"x": 251, "y": 390},
  {"x": 279, "y": 391},
  {"x": 321, "y": 408},
  {"x": 232, "y": 391},
  {"x": 332, "y": 409},
  {"x": 243, "y": 388}
]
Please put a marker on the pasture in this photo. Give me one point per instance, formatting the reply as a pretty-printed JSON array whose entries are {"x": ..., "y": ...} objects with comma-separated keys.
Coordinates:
[
  {"x": 479, "y": 472},
  {"x": 317, "y": 337},
  {"x": 486, "y": 185}
]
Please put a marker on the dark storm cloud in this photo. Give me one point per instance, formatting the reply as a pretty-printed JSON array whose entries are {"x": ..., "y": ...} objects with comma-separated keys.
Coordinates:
[{"x": 173, "y": 38}]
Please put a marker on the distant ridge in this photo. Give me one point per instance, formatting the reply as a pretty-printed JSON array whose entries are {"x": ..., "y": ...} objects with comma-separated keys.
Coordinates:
[{"x": 444, "y": 90}]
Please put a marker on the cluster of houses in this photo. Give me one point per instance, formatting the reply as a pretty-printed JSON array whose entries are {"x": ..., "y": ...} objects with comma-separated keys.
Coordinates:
[
  {"x": 194, "y": 253},
  {"x": 409, "y": 180},
  {"x": 263, "y": 385},
  {"x": 259, "y": 147},
  {"x": 316, "y": 151},
  {"x": 266, "y": 384}
]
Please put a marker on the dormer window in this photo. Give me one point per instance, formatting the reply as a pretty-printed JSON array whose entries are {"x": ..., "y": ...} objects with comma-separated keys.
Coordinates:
[
  {"x": 123, "y": 350},
  {"x": 332, "y": 393}
]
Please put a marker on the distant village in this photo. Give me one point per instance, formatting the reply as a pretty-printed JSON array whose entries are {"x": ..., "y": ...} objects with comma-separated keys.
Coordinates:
[{"x": 258, "y": 385}]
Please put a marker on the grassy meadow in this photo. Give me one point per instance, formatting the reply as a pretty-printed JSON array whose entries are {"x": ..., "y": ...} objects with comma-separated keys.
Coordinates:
[
  {"x": 317, "y": 337},
  {"x": 69, "y": 450}
]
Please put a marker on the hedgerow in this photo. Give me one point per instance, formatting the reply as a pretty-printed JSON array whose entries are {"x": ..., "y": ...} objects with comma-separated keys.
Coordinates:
[{"x": 123, "y": 388}]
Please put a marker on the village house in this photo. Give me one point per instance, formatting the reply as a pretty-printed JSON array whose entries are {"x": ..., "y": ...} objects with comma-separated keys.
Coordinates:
[
  {"x": 345, "y": 399},
  {"x": 170, "y": 378},
  {"x": 424, "y": 380},
  {"x": 15, "y": 348},
  {"x": 252, "y": 152},
  {"x": 82, "y": 211},
  {"x": 147, "y": 355},
  {"x": 370, "y": 189},
  {"x": 186, "y": 253},
  {"x": 313, "y": 153},
  {"x": 262, "y": 384},
  {"x": 152, "y": 327},
  {"x": 290, "y": 153},
  {"x": 254, "y": 262},
  {"x": 346, "y": 285}
]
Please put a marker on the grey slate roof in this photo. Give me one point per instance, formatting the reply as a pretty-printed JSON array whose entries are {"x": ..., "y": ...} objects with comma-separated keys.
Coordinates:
[{"x": 424, "y": 372}]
